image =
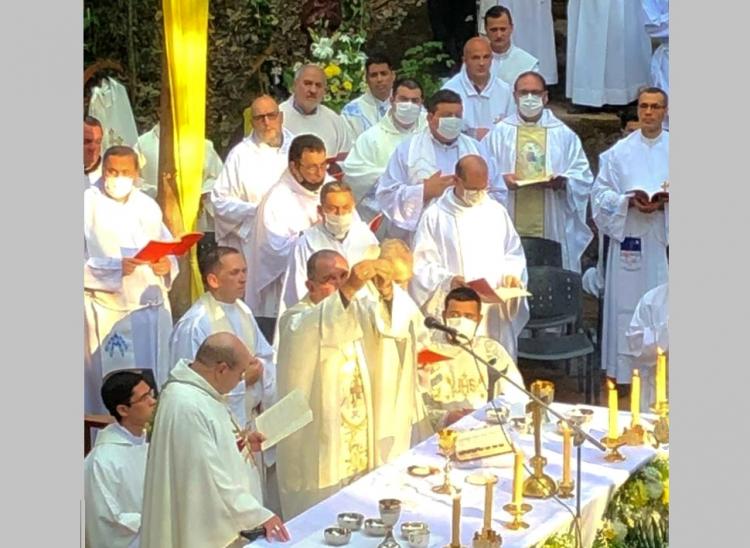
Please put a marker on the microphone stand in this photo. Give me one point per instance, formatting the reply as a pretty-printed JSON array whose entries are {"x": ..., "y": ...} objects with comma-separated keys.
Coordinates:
[{"x": 578, "y": 439}]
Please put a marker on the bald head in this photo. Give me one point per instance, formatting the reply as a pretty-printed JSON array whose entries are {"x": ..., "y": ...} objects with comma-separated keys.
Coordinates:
[
  {"x": 267, "y": 120},
  {"x": 309, "y": 87},
  {"x": 472, "y": 173},
  {"x": 327, "y": 270},
  {"x": 477, "y": 60},
  {"x": 222, "y": 360}
]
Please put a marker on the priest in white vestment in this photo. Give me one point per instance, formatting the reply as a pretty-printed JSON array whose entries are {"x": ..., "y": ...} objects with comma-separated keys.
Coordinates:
[
  {"x": 533, "y": 30},
  {"x": 322, "y": 353},
  {"x": 198, "y": 490},
  {"x": 289, "y": 207},
  {"x": 110, "y": 105},
  {"x": 608, "y": 52},
  {"x": 92, "y": 151},
  {"x": 556, "y": 208},
  {"x": 638, "y": 229},
  {"x": 508, "y": 60},
  {"x": 114, "y": 470},
  {"x": 369, "y": 156},
  {"x": 648, "y": 333},
  {"x": 485, "y": 98},
  {"x": 339, "y": 230},
  {"x": 657, "y": 26},
  {"x": 252, "y": 167},
  {"x": 458, "y": 385},
  {"x": 304, "y": 112},
  {"x": 422, "y": 166},
  {"x": 366, "y": 110},
  {"x": 466, "y": 236},
  {"x": 127, "y": 318}
]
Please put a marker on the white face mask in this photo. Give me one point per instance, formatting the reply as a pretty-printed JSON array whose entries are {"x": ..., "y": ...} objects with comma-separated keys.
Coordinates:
[
  {"x": 474, "y": 197},
  {"x": 464, "y": 326},
  {"x": 338, "y": 225},
  {"x": 406, "y": 113},
  {"x": 118, "y": 187},
  {"x": 530, "y": 105},
  {"x": 450, "y": 128}
]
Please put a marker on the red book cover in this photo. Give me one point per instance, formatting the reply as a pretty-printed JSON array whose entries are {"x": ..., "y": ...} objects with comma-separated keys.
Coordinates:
[
  {"x": 486, "y": 293},
  {"x": 427, "y": 357},
  {"x": 156, "y": 249}
]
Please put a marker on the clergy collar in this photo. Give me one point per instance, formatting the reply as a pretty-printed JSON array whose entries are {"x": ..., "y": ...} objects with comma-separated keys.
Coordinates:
[
  {"x": 651, "y": 142},
  {"x": 129, "y": 436},
  {"x": 298, "y": 108},
  {"x": 444, "y": 146},
  {"x": 503, "y": 55},
  {"x": 471, "y": 88},
  {"x": 93, "y": 167}
]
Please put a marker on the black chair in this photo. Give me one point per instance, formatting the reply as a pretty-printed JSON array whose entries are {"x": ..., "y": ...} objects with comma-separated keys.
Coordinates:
[
  {"x": 556, "y": 302},
  {"x": 541, "y": 252}
]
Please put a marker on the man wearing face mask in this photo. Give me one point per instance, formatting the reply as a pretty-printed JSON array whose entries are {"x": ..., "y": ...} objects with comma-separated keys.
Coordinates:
[
  {"x": 252, "y": 167},
  {"x": 322, "y": 353},
  {"x": 486, "y": 99},
  {"x": 457, "y": 386},
  {"x": 289, "y": 207},
  {"x": 364, "y": 112},
  {"x": 127, "y": 318},
  {"x": 422, "y": 166},
  {"x": 369, "y": 156},
  {"x": 466, "y": 236},
  {"x": 304, "y": 111},
  {"x": 555, "y": 208},
  {"x": 339, "y": 229}
]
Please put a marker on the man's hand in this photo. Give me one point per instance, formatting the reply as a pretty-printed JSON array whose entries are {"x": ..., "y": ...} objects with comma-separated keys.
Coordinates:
[
  {"x": 511, "y": 181},
  {"x": 643, "y": 205},
  {"x": 275, "y": 530},
  {"x": 254, "y": 439},
  {"x": 457, "y": 281},
  {"x": 511, "y": 281},
  {"x": 480, "y": 133},
  {"x": 161, "y": 267},
  {"x": 129, "y": 265},
  {"x": 514, "y": 305},
  {"x": 435, "y": 185},
  {"x": 360, "y": 274},
  {"x": 558, "y": 182},
  {"x": 455, "y": 415},
  {"x": 253, "y": 371},
  {"x": 383, "y": 280}
]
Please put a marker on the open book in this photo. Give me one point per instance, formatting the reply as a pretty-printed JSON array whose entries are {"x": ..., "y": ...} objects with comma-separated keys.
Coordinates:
[
  {"x": 498, "y": 295},
  {"x": 156, "y": 249},
  {"x": 284, "y": 418},
  {"x": 661, "y": 195}
]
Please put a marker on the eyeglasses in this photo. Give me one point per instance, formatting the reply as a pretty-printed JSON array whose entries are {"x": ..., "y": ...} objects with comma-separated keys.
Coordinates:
[
  {"x": 651, "y": 106},
  {"x": 149, "y": 394},
  {"x": 271, "y": 116}
]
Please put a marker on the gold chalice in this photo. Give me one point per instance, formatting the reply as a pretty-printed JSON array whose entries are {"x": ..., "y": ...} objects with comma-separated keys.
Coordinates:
[{"x": 446, "y": 444}]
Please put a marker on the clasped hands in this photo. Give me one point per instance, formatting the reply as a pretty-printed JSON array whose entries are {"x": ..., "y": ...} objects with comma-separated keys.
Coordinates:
[{"x": 160, "y": 267}]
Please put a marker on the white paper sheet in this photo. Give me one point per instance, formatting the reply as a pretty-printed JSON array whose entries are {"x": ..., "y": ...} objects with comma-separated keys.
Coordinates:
[{"x": 284, "y": 418}]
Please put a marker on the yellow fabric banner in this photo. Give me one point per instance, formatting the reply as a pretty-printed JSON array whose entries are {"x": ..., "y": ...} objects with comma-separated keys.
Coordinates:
[
  {"x": 185, "y": 45},
  {"x": 531, "y": 166}
]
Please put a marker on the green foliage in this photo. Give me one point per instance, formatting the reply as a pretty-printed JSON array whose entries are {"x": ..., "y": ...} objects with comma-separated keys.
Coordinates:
[{"x": 422, "y": 62}]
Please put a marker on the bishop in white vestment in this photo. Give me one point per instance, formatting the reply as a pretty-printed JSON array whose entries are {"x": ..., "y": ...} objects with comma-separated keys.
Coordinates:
[
  {"x": 127, "y": 318},
  {"x": 555, "y": 210},
  {"x": 465, "y": 236},
  {"x": 366, "y": 110},
  {"x": 638, "y": 229}
]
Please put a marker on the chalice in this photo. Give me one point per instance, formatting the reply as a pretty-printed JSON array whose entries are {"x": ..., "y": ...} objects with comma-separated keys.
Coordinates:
[
  {"x": 390, "y": 511},
  {"x": 446, "y": 444}
]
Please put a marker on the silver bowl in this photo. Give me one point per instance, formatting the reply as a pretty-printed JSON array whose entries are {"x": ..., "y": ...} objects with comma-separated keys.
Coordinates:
[
  {"x": 350, "y": 520},
  {"x": 419, "y": 539},
  {"x": 497, "y": 417},
  {"x": 337, "y": 536},
  {"x": 374, "y": 527},
  {"x": 410, "y": 526}
]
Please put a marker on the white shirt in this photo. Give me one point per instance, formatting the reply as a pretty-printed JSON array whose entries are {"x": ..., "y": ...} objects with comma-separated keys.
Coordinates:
[
  {"x": 507, "y": 66},
  {"x": 364, "y": 112},
  {"x": 324, "y": 123},
  {"x": 485, "y": 108}
]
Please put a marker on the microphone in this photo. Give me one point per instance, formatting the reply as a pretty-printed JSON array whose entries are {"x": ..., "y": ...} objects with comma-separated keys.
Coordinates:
[{"x": 434, "y": 323}]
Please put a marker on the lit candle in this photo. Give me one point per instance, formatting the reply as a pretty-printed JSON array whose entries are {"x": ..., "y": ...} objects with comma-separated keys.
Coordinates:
[
  {"x": 661, "y": 376},
  {"x": 488, "y": 502},
  {"x": 518, "y": 479},
  {"x": 456, "y": 540},
  {"x": 566, "y": 452},
  {"x": 612, "y": 410},
  {"x": 635, "y": 398}
]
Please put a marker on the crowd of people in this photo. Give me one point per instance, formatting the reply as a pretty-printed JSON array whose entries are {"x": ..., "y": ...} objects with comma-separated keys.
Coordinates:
[{"x": 322, "y": 284}]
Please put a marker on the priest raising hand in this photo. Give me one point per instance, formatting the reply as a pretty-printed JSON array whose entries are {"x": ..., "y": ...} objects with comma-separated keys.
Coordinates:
[{"x": 360, "y": 274}]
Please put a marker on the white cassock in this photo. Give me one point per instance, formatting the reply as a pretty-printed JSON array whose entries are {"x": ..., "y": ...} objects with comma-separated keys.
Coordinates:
[
  {"x": 127, "y": 318},
  {"x": 364, "y": 112},
  {"x": 354, "y": 248},
  {"x": 400, "y": 189},
  {"x": 657, "y": 26},
  {"x": 198, "y": 491},
  {"x": 533, "y": 30},
  {"x": 461, "y": 382},
  {"x": 321, "y": 353},
  {"x": 287, "y": 209},
  {"x": 369, "y": 157},
  {"x": 564, "y": 217},
  {"x": 113, "y": 474},
  {"x": 608, "y": 52},
  {"x": 324, "y": 123},
  {"x": 110, "y": 105},
  {"x": 482, "y": 109},
  {"x": 92, "y": 176},
  {"x": 251, "y": 169},
  {"x": 473, "y": 242},
  {"x": 208, "y": 316},
  {"x": 507, "y": 66},
  {"x": 637, "y": 256},
  {"x": 649, "y": 331}
]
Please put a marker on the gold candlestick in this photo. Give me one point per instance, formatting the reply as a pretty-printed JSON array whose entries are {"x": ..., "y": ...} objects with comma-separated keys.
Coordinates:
[
  {"x": 487, "y": 537},
  {"x": 635, "y": 434},
  {"x": 456, "y": 521},
  {"x": 539, "y": 485},
  {"x": 613, "y": 444},
  {"x": 661, "y": 427},
  {"x": 565, "y": 489},
  {"x": 516, "y": 510}
]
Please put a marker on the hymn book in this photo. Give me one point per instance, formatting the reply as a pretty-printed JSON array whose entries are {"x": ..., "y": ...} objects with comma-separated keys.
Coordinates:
[
  {"x": 156, "y": 249},
  {"x": 498, "y": 295},
  {"x": 661, "y": 195},
  {"x": 284, "y": 418}
]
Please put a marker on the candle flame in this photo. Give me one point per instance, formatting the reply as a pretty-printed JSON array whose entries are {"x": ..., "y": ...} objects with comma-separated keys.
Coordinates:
[
  {"x": 636, "y": 373},
  {"x": 610, "y": 385}
]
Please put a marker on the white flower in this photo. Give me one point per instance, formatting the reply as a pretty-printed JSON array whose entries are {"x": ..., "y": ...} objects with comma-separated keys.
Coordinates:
[
  {"x": 323, "y": 49},
  {"x": 342, "y": 58},
  {"x": 345, "y": 39}
]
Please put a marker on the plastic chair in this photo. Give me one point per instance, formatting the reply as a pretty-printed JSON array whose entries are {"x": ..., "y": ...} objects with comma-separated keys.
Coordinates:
[
  {"x": 541, "y": 252},
  {"x": 556, "y": 301}
]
